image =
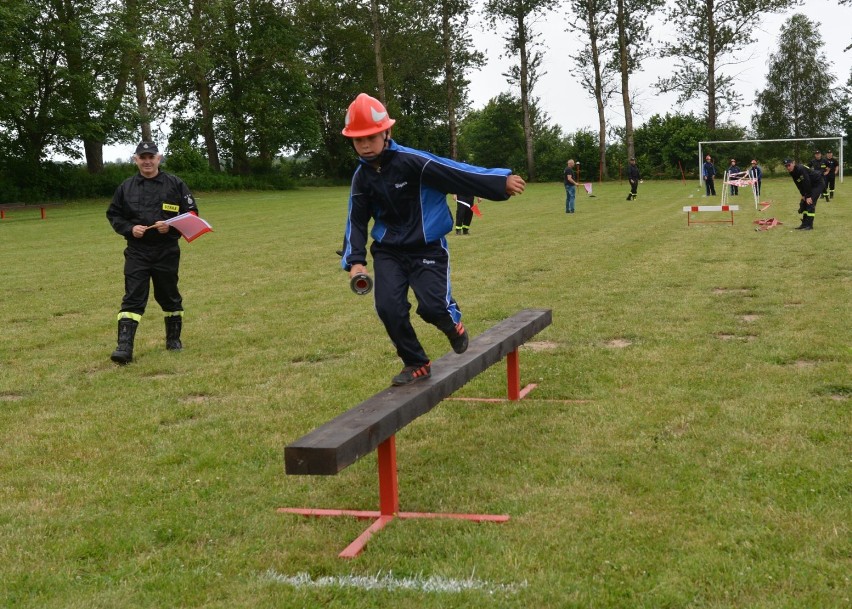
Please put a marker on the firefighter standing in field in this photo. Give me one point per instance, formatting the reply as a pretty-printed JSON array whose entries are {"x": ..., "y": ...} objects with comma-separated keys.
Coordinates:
[
  {"x": 810, "y": 185},
  {"x": 831, "y": 165},
  {"x": 464, "y": 213},
  {"x": 137, "y": 212},
  {"x": 818, "y": 164},
  {"x": 633, "y": 179}
]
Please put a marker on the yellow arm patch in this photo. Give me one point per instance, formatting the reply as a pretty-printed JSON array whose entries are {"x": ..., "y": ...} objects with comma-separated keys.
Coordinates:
[{"x": 170, "y": 207}]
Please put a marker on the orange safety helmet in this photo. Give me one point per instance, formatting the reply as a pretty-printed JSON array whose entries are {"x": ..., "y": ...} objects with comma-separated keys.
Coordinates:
[{"x": 366, "y": 116}]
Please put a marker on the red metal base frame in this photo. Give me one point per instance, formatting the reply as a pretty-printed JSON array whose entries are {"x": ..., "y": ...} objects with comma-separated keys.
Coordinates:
[
  {"x": 388, "y": 504},
  {"x": 389, "y": 484}
]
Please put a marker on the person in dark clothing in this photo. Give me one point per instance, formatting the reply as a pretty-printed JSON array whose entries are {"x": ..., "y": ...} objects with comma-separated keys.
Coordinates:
[
  {"x": 831, "y": 166},
  {"x": 464, "y": 213},
  {"x": 708, "y": 173},
  {"x": 818, "y": 164},
  {"x": 756, "y": 174},
  {"x": 633, "y": 179},
  {"x": 569, "y": 178},
  {"x": 404, "y": 191},
  {"x": 137, "y": 212},
  {"x": 810, "y": 185},
  {"x": 733, "y": 174}
]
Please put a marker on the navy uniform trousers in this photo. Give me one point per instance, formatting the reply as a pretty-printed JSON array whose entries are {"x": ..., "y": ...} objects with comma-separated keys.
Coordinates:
[{"x": 145, "y": 265}]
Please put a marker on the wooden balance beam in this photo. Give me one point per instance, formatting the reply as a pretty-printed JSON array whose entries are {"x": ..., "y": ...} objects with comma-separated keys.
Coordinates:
[{"x": 372, "y": 424}]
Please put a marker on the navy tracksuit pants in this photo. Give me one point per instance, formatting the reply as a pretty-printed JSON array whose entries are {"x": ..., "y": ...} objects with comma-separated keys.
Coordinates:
[{"x": 426, "y": 270}]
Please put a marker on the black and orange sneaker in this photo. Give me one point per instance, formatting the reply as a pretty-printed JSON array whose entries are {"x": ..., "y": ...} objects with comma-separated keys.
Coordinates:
[
  {"x": 458, "y": 338},
  {"x": 411, "y": 374}
]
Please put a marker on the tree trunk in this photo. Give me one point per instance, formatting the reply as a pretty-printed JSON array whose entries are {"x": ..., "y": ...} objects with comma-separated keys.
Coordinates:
[
  {"x": 592, "y": 20},
  {"x": 377, "y": 50},
  {"x": 202, "y": 90},
  {"x": 525, "y": 102},
  {"x": 207, "y": 132},
  {"x": 142, "y": 101},
  {"x": 625, "y": 80},
  {"x": 450, "y": 79},
  {"x": 711, "y": 67}
]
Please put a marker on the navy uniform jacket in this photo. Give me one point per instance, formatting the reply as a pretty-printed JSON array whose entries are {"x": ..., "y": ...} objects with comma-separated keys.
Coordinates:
[
  {"x": 709, "y": 170},
  {"x": 141, "y": 200},
  {"x": 632, "y": 173},
  {"x": 407, "y": 198},
  {"x": 831, "y": 165},
  {"x": 817, "y": 165},
  {"x": 806, "y": 179}
]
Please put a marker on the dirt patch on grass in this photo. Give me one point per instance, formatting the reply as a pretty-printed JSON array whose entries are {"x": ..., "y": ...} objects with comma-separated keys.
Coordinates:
[
  {"x": 732, "y": 290},
  {"x": 743, "y": 337},
  {"x": 618, "y": 343},
  {"x": 195, "y": 398},
  {"x": 749, "y": 317},
  {"x": 159, "y": 376},
  {"x": 10, "y": 397},
  {"x": 541, "y": 345},
  {"x": 803, "y": 363}
]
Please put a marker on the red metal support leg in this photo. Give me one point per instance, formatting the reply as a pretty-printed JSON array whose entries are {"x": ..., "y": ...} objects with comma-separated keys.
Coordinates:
[
  {"x": 42, "y": 213},
  {"x": 388, "y": 481},
  {"x": 513, "y": 375}
]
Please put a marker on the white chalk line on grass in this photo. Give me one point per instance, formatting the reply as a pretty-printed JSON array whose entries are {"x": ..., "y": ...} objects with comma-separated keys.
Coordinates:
[{"x": 387, "y": 581}]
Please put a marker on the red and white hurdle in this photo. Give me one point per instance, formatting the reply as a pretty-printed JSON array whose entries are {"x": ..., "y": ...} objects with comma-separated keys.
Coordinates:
[{"x": 691, "y": 209}]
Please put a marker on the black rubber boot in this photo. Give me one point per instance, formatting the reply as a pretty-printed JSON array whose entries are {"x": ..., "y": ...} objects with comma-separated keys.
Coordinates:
[
  {"x": 174, "y": 324},
  {"x": 123, "y": 353}
]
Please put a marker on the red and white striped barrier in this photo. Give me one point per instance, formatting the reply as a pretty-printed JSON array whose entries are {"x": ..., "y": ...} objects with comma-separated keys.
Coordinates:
[{"x": 691, "y": 209}]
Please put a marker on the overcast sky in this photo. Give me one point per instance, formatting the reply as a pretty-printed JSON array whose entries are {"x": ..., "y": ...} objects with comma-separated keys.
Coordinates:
[{"x": 570, "y": 107}]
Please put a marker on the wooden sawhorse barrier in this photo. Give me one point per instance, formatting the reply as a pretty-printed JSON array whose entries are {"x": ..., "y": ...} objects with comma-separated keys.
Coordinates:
[
  {"x": 691, "y": 209},
  {"x": 372, "y": 424}
]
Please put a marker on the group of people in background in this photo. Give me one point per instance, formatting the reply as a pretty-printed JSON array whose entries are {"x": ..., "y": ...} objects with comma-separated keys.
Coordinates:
[
  {"x": 814, "y": 181},
  {"x": 708, "y": 174},
  {"x": 570, "y": 182}
]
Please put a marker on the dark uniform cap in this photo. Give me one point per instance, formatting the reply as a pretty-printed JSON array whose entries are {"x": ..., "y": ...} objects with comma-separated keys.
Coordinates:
[
  {"x": 147, "y": 148},
  {"x": 817, "y": 152},
  {"x": 788, "y": 161}
]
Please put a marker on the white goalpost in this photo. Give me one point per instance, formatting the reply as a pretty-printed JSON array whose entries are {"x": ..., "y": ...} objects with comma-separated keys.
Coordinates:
[{"x": 743, "y": 179}]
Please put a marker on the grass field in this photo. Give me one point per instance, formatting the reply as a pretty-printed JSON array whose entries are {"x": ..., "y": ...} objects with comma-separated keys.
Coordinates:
[{"x": 688, "y": 444}]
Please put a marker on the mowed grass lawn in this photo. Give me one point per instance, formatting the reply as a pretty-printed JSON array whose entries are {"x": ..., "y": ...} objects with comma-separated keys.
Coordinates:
[{"x": 688, "y": 444}]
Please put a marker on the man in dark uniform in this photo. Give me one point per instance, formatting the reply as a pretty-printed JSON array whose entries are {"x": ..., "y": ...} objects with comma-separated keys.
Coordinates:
[
  {"x": 464, "y": 213},
  {"x": 818, "y": 164},
  {"x": 810, "y": 185},
  {"x": 404, "y": 192},
  {"x": 708, "y": 173},
  {"x": 137, "y": 213},
  {"x": 633, "y": 179},
  {"x": 831, "y": 165}
]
